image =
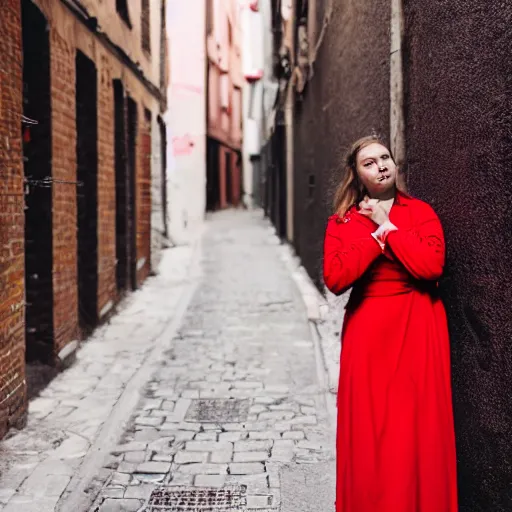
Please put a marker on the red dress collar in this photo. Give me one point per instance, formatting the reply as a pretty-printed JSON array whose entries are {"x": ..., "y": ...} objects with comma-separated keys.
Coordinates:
[{"x": 402, "y": 198}]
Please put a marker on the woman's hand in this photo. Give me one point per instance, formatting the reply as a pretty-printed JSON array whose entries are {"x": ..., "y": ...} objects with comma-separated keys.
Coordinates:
[{"x": 372, "y": 209}]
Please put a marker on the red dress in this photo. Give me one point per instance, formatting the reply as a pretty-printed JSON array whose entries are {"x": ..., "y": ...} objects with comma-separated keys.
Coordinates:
[{"x": 395, "y": 442}]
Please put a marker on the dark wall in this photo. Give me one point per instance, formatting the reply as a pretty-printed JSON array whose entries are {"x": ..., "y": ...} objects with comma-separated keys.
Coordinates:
[
  {"x": 37, "y": 157},
  {"x": 87, "y": 191},
  {"x": 458, "y": 126},
  {"x": 347, "y": 98}
]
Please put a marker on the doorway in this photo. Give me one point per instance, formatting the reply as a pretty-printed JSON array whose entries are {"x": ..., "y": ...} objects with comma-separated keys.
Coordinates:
[
  {"x": 228, "y": 163},
  {"x": 132, "y": 121},
  {"x": 280, "y": 198},
  {"x": 212, "y": 175},
  {"x": 87, "y": 191},
  {"x": 37, "y": 157}
]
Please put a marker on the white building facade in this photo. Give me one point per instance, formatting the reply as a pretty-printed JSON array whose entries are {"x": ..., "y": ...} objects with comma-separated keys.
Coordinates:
[
  {"x": 260, "y": 92},
  {"x": 185, "y": 119}
]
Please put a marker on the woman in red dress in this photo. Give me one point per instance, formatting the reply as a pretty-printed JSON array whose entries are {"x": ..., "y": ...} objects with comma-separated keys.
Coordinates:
[{"x": 395, "y": 442}]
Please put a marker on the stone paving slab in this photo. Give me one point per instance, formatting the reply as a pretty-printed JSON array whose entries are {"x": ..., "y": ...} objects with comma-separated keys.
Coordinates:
[
  {"x": 232, "y": 396},
  {"x": 325, "y": 312},
  {"x": 240, "y": 377},
  {"x": 65, "y": 421}
]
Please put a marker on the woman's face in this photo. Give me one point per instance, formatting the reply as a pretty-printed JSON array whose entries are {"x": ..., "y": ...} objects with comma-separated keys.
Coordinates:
[{"x": 376, "y": 170}]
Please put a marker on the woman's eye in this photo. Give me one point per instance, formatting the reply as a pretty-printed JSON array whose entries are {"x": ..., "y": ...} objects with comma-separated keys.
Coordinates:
[
  {"x": 385, "y": 157},
  {"x": 367, "y": 164}
]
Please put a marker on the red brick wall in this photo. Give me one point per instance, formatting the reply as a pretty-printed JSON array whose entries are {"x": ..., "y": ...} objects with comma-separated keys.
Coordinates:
[
  {"x": 106, "y": 188},
  {"x": 65, "y": 288},
  {"x": 64, "y": 239},
  {"x": 143, "y": 198},
  {"x": 12, "y": 333}
]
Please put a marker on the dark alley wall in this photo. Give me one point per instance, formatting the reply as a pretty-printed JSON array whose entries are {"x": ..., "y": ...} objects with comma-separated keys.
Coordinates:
[
  {"x": 458, "y": 130},
  {"x": 347, "y": 98}
]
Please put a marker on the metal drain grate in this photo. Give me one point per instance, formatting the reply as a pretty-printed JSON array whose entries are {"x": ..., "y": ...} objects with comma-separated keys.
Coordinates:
[
  {"x": 186, "y": 499},
  {"x": 218, "y": 411}
]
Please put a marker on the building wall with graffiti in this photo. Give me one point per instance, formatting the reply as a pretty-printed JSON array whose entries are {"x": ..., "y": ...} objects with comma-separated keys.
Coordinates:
[{"x": 186, "y": 119}]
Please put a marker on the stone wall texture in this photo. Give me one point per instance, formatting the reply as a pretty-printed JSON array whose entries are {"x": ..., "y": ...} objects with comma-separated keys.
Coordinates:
[{"x": 458, "y": 132}]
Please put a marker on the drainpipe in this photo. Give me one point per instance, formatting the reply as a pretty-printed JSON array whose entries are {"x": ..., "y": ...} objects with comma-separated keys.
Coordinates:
[
  {"x": 396, "y": 118},
  {"x": 288, "y": 120}
]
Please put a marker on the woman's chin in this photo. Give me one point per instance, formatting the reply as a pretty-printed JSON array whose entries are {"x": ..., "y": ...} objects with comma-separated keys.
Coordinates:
[{"x": 383, "y": 188}]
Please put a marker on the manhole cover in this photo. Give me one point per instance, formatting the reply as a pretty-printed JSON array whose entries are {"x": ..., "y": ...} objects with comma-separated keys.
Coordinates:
[
  {"x": 218, "y": 411},
  {"x": 180, "y": 499}
]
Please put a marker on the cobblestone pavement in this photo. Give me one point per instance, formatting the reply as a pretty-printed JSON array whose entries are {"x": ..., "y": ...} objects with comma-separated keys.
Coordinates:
[{"x": 236, "y": 395}]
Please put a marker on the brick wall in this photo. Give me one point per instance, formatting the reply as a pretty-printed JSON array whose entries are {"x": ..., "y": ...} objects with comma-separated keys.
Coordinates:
[
  {"x": 66, "y": 36},
  {"x": 65, "y": 298},
  {"x": 106, "y": 190},
  {"x": 12, "y": 334},
  {"x": 143, "y": 198}
]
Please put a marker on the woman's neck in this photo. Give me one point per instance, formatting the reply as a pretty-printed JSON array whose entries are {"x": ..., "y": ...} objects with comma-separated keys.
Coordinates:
[{"x": 385, "y": 196}]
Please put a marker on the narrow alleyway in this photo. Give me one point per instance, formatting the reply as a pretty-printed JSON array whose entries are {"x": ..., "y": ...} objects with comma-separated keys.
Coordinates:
[{"x": 210, "y": 379}]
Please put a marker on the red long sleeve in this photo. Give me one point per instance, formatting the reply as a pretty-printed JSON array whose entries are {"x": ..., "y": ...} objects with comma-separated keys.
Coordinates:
[
  {"x": 349, "y": 250},
  {"x": 421, "y": 249}
]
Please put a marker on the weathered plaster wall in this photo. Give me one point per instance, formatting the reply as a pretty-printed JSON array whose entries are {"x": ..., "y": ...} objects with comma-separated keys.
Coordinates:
[
  {"x": 347, "y": 98},
  {"x": 458, "y": 128}
]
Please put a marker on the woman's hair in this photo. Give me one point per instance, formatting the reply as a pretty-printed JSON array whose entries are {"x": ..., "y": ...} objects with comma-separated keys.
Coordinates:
[{"x": 351, "y": 191}]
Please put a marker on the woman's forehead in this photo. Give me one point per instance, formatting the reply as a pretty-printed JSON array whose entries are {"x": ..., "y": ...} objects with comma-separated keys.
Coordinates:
[{"x": 372, "y": 151}]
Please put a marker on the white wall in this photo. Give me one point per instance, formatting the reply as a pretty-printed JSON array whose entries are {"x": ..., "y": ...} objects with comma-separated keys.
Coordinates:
[
  {"x": 158, "y": 239},
  {"x": 270, "y": 85},
  {"x": 186, "y": 119},
  {"x": 260, "y": 95},
  {"x": 252, "y": 65}
]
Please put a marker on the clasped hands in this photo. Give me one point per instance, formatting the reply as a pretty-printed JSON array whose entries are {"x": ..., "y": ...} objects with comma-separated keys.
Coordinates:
[{"x": 374, "y": 210}]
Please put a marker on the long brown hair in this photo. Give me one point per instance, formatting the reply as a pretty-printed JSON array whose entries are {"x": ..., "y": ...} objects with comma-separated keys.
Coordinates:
[{"x": 351, "y": 191}]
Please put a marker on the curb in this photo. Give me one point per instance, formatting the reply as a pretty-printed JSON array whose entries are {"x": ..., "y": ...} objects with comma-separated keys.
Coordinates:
[
  {"x": 76, "y": 495},
  {"x": 325, "y": 314}
]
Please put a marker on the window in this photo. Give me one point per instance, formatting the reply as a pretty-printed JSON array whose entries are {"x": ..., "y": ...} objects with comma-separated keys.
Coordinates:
[
  {"x": 145, "y": 27},
  {"x": 122, "y": 10}
]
